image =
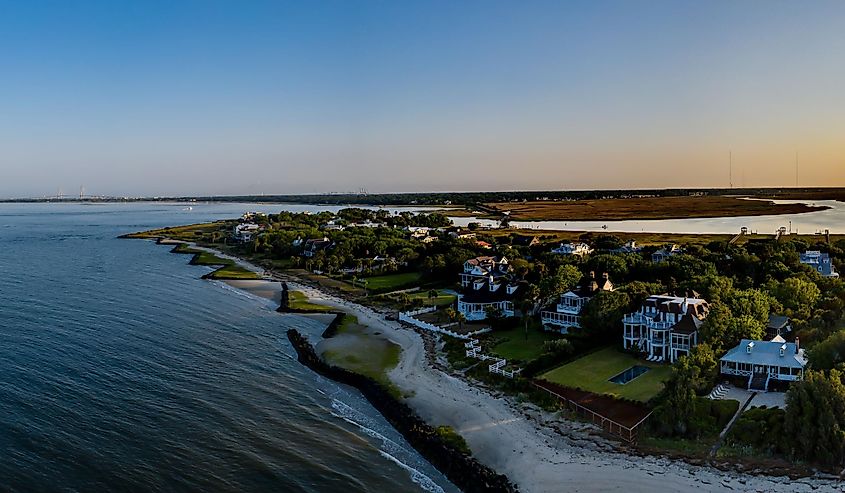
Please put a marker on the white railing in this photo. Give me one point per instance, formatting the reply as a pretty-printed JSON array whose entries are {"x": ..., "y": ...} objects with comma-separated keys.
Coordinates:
[
  {"x": 497, "y": 368},
  {"x": 408, "y": 317},
  {"x": 420, "y": 311}
]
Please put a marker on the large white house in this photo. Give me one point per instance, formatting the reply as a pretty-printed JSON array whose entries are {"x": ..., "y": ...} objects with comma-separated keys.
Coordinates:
[
  {"x": 764, "y": 361},
  {"x": 487, "y": 285},
  {"x": 567, "y": 313},
  {"x": 244, "y": 232},
  {"x": 819, "y": 261},
  {"x": 484, "y": 267},
  {"x": 665, "y": 327},
  {"x": 579, "y": 249}
]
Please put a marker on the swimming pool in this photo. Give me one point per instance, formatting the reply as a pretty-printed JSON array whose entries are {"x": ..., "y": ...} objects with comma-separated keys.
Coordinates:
[{"x": 629, "y": 374}]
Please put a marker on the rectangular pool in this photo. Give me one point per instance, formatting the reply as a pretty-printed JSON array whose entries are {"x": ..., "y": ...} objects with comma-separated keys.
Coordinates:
[{"x": 629, "y": 374}]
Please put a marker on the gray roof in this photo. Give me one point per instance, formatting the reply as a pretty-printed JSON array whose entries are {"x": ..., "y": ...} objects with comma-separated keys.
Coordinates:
[
  {"x": 777, "y": 322},
  {"x": 767, "y": 353}
]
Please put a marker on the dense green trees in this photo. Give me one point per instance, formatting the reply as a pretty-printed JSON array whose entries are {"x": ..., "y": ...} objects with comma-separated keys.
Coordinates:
[
  {"x": 829, "y": 353},
  {"x": 815, "y": 418},
  {"x": 603, "y": 314}
]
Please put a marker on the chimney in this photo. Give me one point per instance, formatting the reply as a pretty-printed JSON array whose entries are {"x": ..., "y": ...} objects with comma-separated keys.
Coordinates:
[
  {"x": 592, "y": 274},
  {"x": 797, "y": 345}
]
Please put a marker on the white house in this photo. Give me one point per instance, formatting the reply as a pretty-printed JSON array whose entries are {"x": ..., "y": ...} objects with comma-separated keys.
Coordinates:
[
  {"x": 764, "y": 361},
  {"x": 579, "y": 249},
  {"x": 567, "y": 313},
  {"x": 244, "y": 232},
  {"x": 665, "y": 327},
  {"x": 484, "y": 267},
  {"x": 665, "y": 253},
  {"x": 487, "y": 285},
  {"x": 820, "y": 262}
]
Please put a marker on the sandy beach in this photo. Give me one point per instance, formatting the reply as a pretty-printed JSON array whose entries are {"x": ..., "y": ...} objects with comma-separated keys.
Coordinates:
[{"x": 538, "y": 451}]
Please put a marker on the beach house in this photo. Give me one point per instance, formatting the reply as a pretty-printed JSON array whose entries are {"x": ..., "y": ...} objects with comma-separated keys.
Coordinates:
[
  {"x": 486, "y": 285},
  {"x": 665, "y": 253},
  {"x": 629, "y": 247},
  {"x": 764, "y": 361},
  {"x": 579, "y": 249},
  {"x": 567, "y": 313},
  {"x": 666, "y": 326},
  {"x": 820, "y": 262},
  {"x": 314, "y": 245},
  {"x": 244, "y": 232}
]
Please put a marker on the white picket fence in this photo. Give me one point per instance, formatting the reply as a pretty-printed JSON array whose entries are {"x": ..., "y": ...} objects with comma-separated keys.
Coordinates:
[
  {"x": 474, "y": 351},
  {"x": 409, "y": 318}
]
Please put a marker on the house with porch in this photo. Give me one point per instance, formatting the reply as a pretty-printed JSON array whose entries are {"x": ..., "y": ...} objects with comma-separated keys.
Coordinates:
[
  {"x": 567, "y": 313},
  {"x": 820, "y": 262},
  {"x": 666, "y": 326},
  {"x": 484, "y": 267},
  {"x": 486, "y": 285},
  {"x": 763, "y": 362},
  {"x": 579, "y": 249}
]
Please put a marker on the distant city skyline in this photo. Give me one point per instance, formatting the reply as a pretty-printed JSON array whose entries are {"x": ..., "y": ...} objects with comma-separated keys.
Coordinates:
[{"x": 223, "y": 98}]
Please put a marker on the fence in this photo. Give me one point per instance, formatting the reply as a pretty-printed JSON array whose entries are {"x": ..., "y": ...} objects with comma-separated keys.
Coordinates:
[
  {"x": 409, "y": 318},
  {"x": 627, "y": 433},
  {"x": 497, "y": 368}
]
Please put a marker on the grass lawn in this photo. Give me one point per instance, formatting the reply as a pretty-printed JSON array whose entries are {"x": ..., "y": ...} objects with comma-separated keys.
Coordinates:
[
  {"x": 233, "y": 271},
  {"x": 442, "y": 299},
  {"x": 298, "y": 301},
  {"x": 356, "y": 350},
  {"x": 208, "y": 258},
  {"x": 328, "y": 282},
  {"x": 593, "y": 372},
  {"x": 514, "y": 346},
  {"x": 390, "y": 281}
]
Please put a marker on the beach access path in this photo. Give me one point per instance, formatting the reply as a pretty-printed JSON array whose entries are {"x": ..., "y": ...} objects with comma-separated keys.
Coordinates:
[{"x": 537, "y": 451}]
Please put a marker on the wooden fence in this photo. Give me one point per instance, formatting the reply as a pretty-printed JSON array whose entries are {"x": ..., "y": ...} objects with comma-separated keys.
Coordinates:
[{"x": 627, "y": 433}]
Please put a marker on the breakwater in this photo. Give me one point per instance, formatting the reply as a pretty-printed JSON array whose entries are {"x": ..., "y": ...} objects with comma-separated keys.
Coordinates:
[{"x": 461, "y": 469}]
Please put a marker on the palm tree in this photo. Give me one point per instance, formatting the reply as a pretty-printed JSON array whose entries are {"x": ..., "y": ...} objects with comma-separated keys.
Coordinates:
[
  {"x": 527, "y": 304},
  {"x": 461, "y": 319}
]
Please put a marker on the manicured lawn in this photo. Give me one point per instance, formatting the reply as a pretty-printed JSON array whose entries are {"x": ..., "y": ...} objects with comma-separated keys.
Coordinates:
[
  {"x": 514, "y": 345},
  {"x": 443, "y": 298},
  {"x": 593, "y": 372},
  {"x": 390, "y": 281},
  {"x": 298, "y": 301}
]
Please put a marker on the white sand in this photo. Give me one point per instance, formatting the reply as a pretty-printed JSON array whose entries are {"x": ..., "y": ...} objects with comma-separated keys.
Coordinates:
[
  {"x": 536, "y": 451},
  {"x": 523, "y": 444}
]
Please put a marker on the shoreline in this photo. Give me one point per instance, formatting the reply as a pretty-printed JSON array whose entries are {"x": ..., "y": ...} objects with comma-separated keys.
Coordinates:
[{"x": 538, "y": 451}]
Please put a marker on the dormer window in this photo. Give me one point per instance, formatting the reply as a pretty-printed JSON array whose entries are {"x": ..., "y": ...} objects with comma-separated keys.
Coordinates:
[
  {"x": 749, "y": 347},
  {"x": 783, "y": 349}
]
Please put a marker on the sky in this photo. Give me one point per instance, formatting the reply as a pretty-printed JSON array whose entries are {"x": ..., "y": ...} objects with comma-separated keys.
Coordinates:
[{"x": 163, "y": 98}]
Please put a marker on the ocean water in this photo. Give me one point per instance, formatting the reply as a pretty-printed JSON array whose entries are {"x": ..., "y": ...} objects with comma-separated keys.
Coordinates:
[{"x": 121, "y": 370}]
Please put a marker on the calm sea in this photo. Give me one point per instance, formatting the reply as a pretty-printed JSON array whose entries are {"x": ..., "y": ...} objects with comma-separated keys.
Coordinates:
[{"x": 121, "y": 370}]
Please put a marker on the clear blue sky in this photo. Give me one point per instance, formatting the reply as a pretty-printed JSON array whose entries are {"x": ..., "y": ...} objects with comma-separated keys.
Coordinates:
[{"x": 206, "y": 97}]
